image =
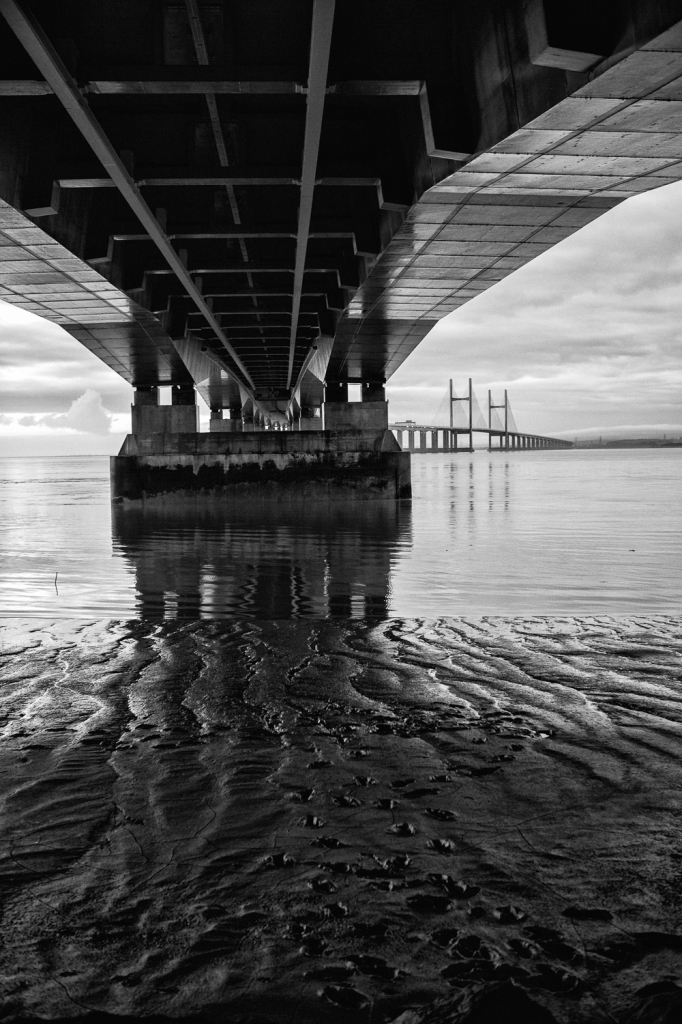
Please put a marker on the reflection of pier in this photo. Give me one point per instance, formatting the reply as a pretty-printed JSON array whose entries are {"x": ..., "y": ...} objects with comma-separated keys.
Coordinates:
[
  {"x": 261, "y": 559},
  {"x": 414, "y": 437}
]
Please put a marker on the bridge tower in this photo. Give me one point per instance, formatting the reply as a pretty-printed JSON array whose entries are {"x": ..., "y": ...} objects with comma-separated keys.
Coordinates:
[
  {"x": 504, "y": 405},
  {"x": 468, "y": 398}
]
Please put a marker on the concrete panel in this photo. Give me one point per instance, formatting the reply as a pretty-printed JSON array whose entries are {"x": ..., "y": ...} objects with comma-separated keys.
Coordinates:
[
  {"x": 645, "y": 116},
  {"x": 531, "y": 141},
  {"x": 636, "y": 76},
  {"x": 164, "y": 419},
  {"x": 632, "y": 144},
  {"x": 521, "y": 215},
  {"x": 574, "y": 113},
  {"x": 559, "y": 163},
  {"x": 225, "y": 426},
  {"x": 457, "y": 231}
]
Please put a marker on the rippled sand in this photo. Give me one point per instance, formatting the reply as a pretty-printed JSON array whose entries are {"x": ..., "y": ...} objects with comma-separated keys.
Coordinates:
[{"x": 340, "y": 821}]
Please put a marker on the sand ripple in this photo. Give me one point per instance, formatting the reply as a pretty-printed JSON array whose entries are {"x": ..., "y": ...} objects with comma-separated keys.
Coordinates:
[{"x": 339, "y": 820}]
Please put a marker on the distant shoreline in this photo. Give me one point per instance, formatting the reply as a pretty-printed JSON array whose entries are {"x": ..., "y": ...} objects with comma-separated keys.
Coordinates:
[{"x": 632, "y": 442}]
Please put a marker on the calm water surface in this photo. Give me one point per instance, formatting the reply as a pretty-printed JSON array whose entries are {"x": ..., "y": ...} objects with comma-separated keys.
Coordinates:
[{"x": 547, "y": 532}]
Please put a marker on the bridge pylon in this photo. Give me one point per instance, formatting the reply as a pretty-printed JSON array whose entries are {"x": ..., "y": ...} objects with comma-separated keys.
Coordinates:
[
  {"x": 504, "y": 405},
  {"x": 469, "y": 399}
]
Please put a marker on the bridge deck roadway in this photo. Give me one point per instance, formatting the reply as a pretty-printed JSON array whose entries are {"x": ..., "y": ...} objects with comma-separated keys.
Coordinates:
[{"x": 229, "y": 195}]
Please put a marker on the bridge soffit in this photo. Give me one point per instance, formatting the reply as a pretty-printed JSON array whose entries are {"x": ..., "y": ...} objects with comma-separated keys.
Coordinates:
[{"x": 315, "y": 253}]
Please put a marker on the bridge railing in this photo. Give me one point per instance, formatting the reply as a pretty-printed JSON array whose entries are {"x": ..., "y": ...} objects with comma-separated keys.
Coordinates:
[{"x": 431, "y": 439}]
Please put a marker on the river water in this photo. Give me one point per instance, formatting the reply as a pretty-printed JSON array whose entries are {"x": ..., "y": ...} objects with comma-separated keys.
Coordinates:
[{"x": 537, "y": 532}]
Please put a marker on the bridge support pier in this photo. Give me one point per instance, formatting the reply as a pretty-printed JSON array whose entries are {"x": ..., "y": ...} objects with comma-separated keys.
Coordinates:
[
  {"x": 219, "y": 424},
  {"x": 309, "y": 418},
  {"x": 148, "y": 417},
  {"x": 354, "y": 456}
]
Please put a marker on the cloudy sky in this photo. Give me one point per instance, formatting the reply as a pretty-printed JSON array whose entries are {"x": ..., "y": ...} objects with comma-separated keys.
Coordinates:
[{"x": 587, "y": 339}]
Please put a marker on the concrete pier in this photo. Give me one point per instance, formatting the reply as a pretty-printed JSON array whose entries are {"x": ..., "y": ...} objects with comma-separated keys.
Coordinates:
[
  {"x": 312, "y": 463},
  {"x": 353, "y": 455}
]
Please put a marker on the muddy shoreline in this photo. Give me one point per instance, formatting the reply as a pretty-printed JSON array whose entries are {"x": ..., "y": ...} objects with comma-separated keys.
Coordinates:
[{"x": 337, "y": 820}]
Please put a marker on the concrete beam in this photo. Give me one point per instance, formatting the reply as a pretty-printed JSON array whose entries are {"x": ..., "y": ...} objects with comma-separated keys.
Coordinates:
[
  {"x": 320, "y": 46},
  {"x": 175, "y": 87},
  {"x": 202, "y": 57}
]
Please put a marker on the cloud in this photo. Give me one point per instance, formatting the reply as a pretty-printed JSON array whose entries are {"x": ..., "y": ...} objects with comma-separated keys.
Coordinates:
[{"x": 87, "y": 415}]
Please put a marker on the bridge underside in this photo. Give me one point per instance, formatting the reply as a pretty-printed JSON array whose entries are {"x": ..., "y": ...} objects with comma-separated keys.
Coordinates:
[{"x": 258, "y": 198}]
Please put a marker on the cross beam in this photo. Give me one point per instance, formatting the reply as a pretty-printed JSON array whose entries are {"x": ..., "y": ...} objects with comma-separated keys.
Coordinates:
[
  {"x": 202, "y": 57},
  {"x": 320, "y": 46},
  {"x": 46, "y": 59}
]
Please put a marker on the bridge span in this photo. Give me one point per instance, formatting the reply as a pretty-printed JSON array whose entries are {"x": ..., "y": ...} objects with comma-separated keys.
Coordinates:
[
  {"x": 499, "y": 427},
  {"x": 416, "y": 438},
  {"x": 266, "y": 202}
]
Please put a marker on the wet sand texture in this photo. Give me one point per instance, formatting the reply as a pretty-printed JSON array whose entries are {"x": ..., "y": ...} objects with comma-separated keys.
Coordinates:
[{"x": 342, "y": 821}]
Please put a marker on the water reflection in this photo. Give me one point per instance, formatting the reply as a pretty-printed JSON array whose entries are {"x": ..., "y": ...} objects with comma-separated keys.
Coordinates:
[{"x": 262, "y": 559}]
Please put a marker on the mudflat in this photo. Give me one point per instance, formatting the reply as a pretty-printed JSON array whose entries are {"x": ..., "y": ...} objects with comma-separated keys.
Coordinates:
[{"x": 336, "y": 820}]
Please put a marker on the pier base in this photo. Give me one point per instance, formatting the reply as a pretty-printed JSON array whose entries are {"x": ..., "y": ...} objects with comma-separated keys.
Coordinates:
[{"x": 361, "y": 463}]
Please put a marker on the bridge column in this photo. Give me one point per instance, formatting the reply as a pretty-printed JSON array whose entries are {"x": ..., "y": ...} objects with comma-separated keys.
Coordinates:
[
  {"x": 220, "y": 424},
  {"x": 370, "y": 414},
  {"x": 148, "y": 417},
  {"x": 367, "y": 454},
  {"x": 373, "y": 391},
  {"x": 248, "y": 416},
  {"x": 335, "y": 391},
  {"x": 310, "y": 418}
]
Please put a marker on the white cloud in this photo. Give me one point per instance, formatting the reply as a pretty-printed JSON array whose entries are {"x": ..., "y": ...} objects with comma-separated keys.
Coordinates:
[{"x": 87, "y": 415}]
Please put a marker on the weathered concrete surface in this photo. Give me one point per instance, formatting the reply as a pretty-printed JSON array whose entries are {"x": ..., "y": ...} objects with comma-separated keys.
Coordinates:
[
  {"x": 164, "y": 419},
  {"x": 359, "y": 463},
  {"x": 355, "y": 416},
  {"x": 340, "y": 821}
]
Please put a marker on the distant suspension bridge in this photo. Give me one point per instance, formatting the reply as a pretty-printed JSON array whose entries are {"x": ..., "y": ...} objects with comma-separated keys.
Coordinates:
[{"x": 466, "y": 419}]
